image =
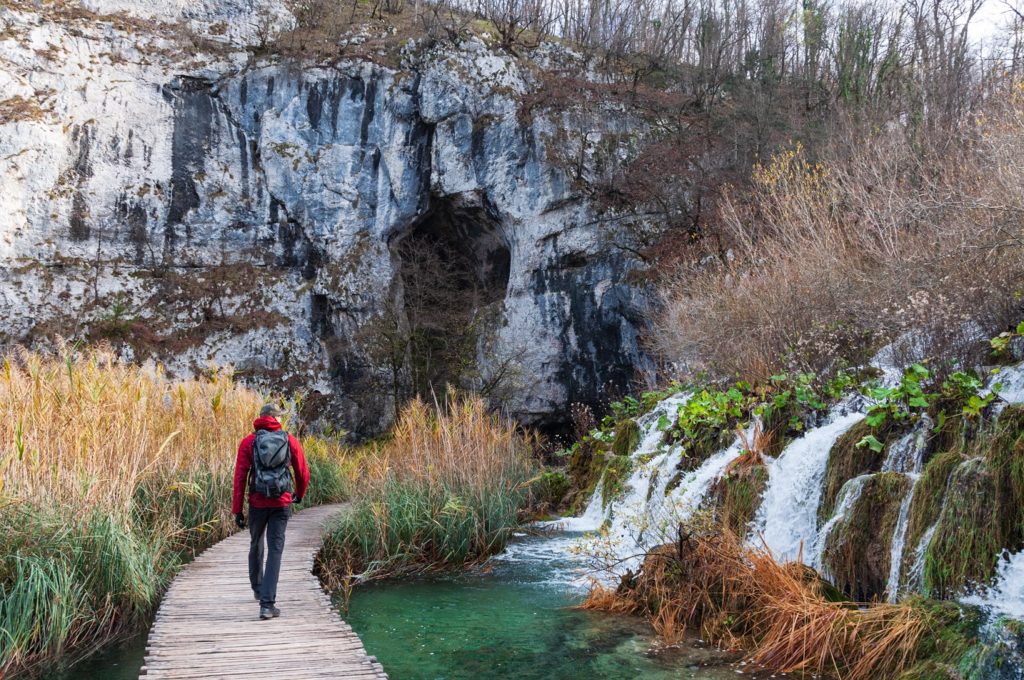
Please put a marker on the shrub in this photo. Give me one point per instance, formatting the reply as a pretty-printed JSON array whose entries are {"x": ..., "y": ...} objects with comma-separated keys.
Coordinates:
[{"x": 833, "y": 256}]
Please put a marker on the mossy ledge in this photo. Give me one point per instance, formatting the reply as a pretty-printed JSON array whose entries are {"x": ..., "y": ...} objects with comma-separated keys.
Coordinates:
[
  {"x": 737, "y": 495},
  {"x": 857, "y": 549},
  {"x": 847, "y": 460}
]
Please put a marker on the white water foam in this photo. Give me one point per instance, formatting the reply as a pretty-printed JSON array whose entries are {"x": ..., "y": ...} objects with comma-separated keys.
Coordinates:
[
  {"x": 787, "y": 520},
  {"x": 591, "y": 519},
  {"x": 1006, "y": 596}
]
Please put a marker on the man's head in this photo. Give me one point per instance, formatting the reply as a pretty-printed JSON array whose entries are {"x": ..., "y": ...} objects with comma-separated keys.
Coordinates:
[{"x": 270, "y": 410}]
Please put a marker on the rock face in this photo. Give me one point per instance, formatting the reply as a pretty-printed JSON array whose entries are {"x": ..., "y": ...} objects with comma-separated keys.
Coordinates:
[{"x": 203, "y": 207}]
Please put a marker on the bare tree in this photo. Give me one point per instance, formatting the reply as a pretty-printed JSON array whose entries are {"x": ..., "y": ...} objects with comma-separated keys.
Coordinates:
[{"x": 517, "y": 21}]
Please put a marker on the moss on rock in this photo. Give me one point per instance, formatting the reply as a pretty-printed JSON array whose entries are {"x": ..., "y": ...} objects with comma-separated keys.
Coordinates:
[
  {"x": 696, "y": 451},
  {"x": 736, "y": 496},
  {"x": 1006, "y": 459},
  {"x": 857, "y": 549},
  {"x": 847, "y": 460},
  {"x": 586, "y": 463},
  {"x": 968, "y": 539},
  {"x": 927, "y": 502},
  {"x": 616, "y": 472},
  {"x": 627, "y": 438}
]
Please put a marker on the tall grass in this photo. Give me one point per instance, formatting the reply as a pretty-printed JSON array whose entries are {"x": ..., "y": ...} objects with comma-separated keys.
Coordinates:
[
  {"x": 444, "y": 490},
  {"x": 110, "y": 477}
]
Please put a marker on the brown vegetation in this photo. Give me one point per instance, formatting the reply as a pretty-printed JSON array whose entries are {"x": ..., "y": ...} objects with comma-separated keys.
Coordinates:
[
  {"x": 783, "y": 613},
  {"x": 882, "y": 236}
]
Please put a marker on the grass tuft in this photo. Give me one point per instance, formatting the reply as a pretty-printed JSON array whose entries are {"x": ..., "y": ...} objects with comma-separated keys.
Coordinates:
[
  {"x": 445, "y": 490},
  {"x": 736, "y": 595}
]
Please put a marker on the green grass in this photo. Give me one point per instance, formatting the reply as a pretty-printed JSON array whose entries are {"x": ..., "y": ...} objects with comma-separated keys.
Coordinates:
[
  {"x": 982, "y": 510},
  {"x": 407, "y": 527},
  {"x": 927, "y": 503},
  {"x": 967, "y": 540},
  {"x": 737, "y": 496}
]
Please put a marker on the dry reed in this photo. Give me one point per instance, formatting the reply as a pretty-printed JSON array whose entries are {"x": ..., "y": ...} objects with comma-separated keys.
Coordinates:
[
  {"x": 445, "y": 489},
  {"x": 739, "y": 596},
  {"x": 111, "y": 476}
]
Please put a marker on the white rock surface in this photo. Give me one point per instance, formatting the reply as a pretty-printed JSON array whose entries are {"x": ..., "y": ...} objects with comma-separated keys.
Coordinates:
[{"x": 243, "y": 211}]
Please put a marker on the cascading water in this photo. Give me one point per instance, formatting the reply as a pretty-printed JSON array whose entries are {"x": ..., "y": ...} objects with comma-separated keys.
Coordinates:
[
  {"x": 848, "y": 495},
  {"x": 905, "y": 456},
  {"x": 899, "y": 540},
  {"x": 1006, "y": 596},
  {"x": 648, "y": 512},
  {"x": 915, "y": 579},
  {"x": 787, "y": 520},
  {"x": 1008, "y": 383}
]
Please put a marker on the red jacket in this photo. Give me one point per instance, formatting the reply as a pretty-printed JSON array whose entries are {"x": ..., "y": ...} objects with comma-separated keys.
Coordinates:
[{"x": 244, "y": 462}]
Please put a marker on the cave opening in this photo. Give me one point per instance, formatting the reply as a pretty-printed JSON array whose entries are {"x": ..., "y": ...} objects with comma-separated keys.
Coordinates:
[{"x": 454, "y": 265}]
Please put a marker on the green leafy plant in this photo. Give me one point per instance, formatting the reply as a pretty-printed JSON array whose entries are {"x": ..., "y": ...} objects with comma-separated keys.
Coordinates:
[
  {"x": 709, "y": 410},
  {"x": 965, "y": 389},
  {"x": 1001, "y": 343}
]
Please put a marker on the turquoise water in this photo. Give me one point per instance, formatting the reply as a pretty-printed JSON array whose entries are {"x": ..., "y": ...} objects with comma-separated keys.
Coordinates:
[
  {"x": 513, "y": 619},
  {"x": 123, "y": 661}
]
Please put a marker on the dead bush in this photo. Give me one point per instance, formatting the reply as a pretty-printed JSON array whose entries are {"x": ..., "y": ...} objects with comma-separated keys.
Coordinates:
[{"x": 823, "y": 261}]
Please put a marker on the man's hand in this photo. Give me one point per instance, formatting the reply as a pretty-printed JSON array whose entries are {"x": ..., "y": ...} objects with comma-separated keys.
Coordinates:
[{"x": 240, "y": 520}]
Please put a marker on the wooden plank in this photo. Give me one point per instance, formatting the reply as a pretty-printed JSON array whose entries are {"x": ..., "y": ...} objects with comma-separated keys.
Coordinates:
[{"x": 208, "y": 624}]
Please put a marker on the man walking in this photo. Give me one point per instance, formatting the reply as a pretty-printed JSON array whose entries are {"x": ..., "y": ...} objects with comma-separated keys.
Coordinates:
[{"x": 265, "y": 463}]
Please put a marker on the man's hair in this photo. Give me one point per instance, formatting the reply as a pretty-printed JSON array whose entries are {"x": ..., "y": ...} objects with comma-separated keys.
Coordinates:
[{"x": 270, "y": 410}]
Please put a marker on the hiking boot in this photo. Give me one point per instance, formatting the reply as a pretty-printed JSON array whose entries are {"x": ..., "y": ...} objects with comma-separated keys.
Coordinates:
[{"x": 269, "y": 613}]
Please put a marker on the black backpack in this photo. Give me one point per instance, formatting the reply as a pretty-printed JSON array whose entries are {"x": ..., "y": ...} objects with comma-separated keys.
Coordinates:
[{"x": 271, "y": 460}]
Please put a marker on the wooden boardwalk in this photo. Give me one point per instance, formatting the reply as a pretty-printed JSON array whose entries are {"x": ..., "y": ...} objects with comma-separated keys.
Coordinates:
[{"x": 208, "y": 623}]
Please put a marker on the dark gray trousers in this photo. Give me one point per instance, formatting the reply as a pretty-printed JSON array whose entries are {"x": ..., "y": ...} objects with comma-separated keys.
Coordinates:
[{"x": 263, "y": 578}]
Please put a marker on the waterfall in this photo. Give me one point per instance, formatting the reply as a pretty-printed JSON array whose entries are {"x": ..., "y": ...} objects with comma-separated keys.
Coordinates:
[
  {"x": 916, "y": 576},
  {"x": 1010, "y": 380},
  {"x": 647, "y": 516},
  {"x": 647, "y": 513},
  {"x": 905, "y": 456},
  {"x": 1005, "y": 597},
  {"x": 848, "y": 495},
  {"x": 591, "y": 519},
  {"x": 787, "y": 520},
  {"x": 899, "y": 539}
]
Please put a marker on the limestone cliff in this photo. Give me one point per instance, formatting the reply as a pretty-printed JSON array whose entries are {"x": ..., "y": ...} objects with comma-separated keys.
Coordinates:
[{"x": 168, "y": 188}]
